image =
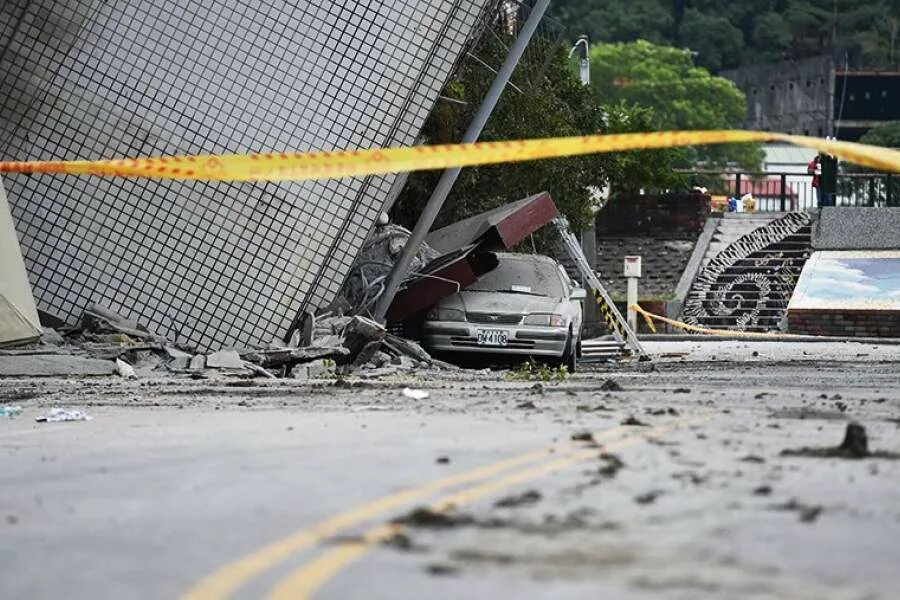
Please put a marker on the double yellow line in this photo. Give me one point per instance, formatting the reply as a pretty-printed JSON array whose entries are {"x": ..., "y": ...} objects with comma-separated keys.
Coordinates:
[{"x": 482, "y": 481}]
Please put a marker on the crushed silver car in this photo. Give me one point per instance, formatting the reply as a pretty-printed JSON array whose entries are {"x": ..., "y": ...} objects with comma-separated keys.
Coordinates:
[{"x": 528, "y": 306}]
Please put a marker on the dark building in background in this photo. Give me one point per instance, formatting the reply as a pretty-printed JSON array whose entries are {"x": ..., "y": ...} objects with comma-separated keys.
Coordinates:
[
  {"x": 811, "y": 97},
  {"x": 789, "y": 97},
  {"x": 863, "y": 100}
]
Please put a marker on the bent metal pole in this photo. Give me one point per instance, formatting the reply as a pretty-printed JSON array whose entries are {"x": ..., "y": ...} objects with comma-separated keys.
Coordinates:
[{"x": 448, "y": 178}]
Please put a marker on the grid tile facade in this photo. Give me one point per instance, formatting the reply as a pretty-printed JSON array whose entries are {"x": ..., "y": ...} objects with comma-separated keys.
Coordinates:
[{"x": 215, "y": 264}]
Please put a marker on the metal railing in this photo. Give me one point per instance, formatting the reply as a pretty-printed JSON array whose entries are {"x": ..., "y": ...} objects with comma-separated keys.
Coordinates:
[{"x": 781, "y": 192}]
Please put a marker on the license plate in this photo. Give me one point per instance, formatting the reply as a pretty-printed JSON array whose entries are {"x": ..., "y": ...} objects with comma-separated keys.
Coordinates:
[{"x": 492, "y": 337}]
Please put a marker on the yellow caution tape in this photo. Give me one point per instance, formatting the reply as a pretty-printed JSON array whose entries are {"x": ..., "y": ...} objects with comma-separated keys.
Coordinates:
[
  {"x": 296, "y": 166},
  {"x": 695, "y": 329}
]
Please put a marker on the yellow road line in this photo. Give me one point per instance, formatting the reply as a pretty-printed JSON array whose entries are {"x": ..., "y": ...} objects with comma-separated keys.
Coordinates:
[
  {"x": 306, "y": 580},
  {"x": 222, "y": 583}
]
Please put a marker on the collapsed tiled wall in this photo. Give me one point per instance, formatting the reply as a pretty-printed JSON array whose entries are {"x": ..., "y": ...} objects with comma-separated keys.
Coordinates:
[{"x": 211, "y": 263}]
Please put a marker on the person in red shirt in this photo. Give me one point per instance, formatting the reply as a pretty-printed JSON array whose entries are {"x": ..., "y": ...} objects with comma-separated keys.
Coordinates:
[{"x": 814, "y": 168}]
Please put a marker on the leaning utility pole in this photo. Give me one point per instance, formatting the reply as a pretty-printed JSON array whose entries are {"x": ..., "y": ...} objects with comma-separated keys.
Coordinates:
[{"x": 439, "y": 195}]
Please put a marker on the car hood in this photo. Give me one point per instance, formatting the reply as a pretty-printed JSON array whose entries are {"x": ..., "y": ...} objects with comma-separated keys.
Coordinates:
[{"x": 500, "y": 302}]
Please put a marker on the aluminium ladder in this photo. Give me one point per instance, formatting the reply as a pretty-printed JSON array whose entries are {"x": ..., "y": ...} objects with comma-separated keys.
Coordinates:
[{"x": 614, "y": 321}]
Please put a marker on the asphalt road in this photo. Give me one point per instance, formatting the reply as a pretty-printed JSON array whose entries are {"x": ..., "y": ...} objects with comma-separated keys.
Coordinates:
[{"x": 201, "y": 488}]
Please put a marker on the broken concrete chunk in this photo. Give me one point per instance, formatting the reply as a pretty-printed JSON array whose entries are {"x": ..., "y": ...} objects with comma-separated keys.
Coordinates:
[
  {"x": 100, "y": 319},
  {"x": 277, "y": 357},
  {"x": 312, "y": 370},
  {"x": 125, "y": 370},
  {"x": 51, "y": 337},
  {"x": 359, "y": 332},
  {"x": 330, "y": 326},
  {"x": 367, "y": 353},
  {"x": 51, "y": 365},
  {"x": 198, "y": 362},
  {"x": 224, "y": 359},
  {"x": 177, "y": 359},
  {"x": 380, "y": 359},
  {"x": 408, "y": 347}
]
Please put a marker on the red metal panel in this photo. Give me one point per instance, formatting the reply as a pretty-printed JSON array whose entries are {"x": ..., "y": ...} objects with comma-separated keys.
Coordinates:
[
  {"x": 441, "y": 282},
  {"x": 529, "y": 218}
]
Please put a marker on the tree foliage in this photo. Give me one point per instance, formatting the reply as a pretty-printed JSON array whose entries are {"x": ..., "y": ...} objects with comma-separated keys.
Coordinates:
[
  {"x": 545, "y": 100},
  {"x": 887, "y": 135},
  {"x": 728, "y": 34},
  {"x": 681, "y": 95}
]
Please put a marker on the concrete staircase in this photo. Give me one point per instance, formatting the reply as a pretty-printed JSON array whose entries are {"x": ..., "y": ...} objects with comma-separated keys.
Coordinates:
[{"x": 749, "y": 271}]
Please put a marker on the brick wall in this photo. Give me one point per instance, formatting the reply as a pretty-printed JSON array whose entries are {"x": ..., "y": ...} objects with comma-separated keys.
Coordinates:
[
  {"x": 845, "y": 323},
  {"x": 671, "y": 216}
]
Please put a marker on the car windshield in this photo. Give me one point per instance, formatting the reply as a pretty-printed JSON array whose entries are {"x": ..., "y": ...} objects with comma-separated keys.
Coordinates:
[{"x": 522, "y": 276}]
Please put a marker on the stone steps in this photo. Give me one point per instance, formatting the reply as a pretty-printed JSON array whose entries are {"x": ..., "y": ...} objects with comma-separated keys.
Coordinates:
[{"x": 749, "y": 272}]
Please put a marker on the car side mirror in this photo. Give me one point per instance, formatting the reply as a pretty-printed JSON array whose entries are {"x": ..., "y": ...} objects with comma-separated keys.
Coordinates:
[{"x": 578, "y": 294}]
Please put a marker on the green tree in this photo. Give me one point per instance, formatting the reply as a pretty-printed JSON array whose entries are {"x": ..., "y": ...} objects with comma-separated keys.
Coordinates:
[
  {"x": 616, "y": 21},
  {"x": 681, "y": 95},
  {"x": 545, "y": 100},
  {"x": 727, "y": 33},
  {"x": 888, "y": 136},
  {"x": 718, "y": 44}
]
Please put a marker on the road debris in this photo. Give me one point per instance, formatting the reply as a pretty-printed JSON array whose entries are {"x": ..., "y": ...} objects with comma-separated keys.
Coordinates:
[
  {"x": 441, "y": 569},
  {"x": 753, "y": 458},
  {"x": 224, "y": 359},
  {"x": 854, "y": 446},
  {"x": 125, "y": 370},
  {"x": 808, "y": 512},
  {"x": 524, "y": 499},
  {"x": 611, "y": 385},
  {"x": 415, "y": 394},
  {"x": 401, "y": 541},
  {"x": 763, "y": 490},
  {"x": 59, "y": 415},
  {"x": 10, "y": 411},
  {"x": 632, "y": 421},
  {"x": 99, "y": 319},
  {"x": 427, "y": 518},
  {"x": 612, "y": 465},
  {"x": 649, "y": 497}
]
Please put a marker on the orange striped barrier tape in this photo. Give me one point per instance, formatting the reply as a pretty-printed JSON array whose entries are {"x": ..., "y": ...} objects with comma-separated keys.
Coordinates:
[{"x": 297, "y": 166}]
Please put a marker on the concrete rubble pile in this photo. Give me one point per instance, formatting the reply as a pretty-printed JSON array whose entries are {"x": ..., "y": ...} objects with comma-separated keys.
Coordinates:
[
  {"x": 338, "y": 341},
  {"x": 106, "y": 343}
]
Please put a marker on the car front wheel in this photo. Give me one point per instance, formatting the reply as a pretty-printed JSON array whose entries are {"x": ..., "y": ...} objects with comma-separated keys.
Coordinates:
[{"x": 570, "y": 354}]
